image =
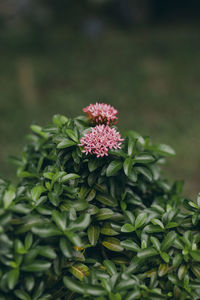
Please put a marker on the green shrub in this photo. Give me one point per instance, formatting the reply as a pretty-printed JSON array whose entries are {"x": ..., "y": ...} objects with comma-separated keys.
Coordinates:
[{"x": 77, "y": 226}]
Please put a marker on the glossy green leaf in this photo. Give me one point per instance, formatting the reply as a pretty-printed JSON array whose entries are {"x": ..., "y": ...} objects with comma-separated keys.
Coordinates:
[
  {"x": 37, "y": 266},
  {"x": 72, "y": 135},
  {"x": 13, "y": 276},
  {"x": 9, "y": 196},
  {"x": 110, "y": 267},
  {"x": 80, "y": 224},
  {"x": 73, "y": 285},
  {"x": 163, "y": 149},
  {"x": 113, "y": 168},
  {"x": 59, "y": 219},
  {"x": 130, "y": 245},
  {"x": 144, "y": 158},
  {"x": 168, "y": 240},
  {"x": 127, "y": 165},
  {"x": 128, "y": 228},
  {"x": 46, "y": 231},
  {"x": 65, "y": 143},
  {"x": 66, "y": 247},
  {"x": 22, "y": 295},
  {"x": 37, "y": 191},
  {"x": 140, "y": 220},
  {"x": 104, "y": 214},
  {"x": 106, "y": 200},
  {"x": 163, "y": 269},
  {"x": 79, "y": 270},
  {"x": 112, "y": 244},
  {"x": 69, "y": 177},
  {"x": 145, "y": 172},
  {"x": 148, "y": 252},
  {"x": 93, "y": 234}
]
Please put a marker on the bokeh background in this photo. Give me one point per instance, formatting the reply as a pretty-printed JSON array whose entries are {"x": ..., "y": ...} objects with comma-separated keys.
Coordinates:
[{"x": 142, "y": 56}]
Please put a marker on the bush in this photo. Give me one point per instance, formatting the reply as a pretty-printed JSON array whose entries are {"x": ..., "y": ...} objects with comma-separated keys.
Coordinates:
[{"x": 109, "y": 227}]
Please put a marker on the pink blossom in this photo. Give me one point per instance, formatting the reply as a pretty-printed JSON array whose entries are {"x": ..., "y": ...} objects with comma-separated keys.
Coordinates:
[
  {"x": 100, "y": 139},
  {"x": 101, "y": 113}
]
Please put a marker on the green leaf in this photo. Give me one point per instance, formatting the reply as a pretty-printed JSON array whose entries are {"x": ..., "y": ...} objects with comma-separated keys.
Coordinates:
[
  {"x": 28, "y": 240},
  {"x": 80, "y": 224},
  {"x": 38, "y": 130},
  {"x": 22, "y": 295},
  {"x": 46, "y": 231},
  {"x": 126, "y": 284},
  {"x": 65, "y": 143},
  {"x": 106, "y": 200},
  {"x": 182, "y": 272},
  {"x": 37, "y": 191},
  {"x": 113, "y": 168},
  {"x": 110, "y": 267},
  {"x": 37, "y": 266},
  {"x": 195, "y": 255},
  {"x": 163, "y": 149},
  {"x": 165, "y": 257},
  {"x": 9, "y": 196},
  {"x": 130, "y": 245},
  {"x": 140, "y": 220},
  {"x": 112, "y": 244},
  {"x": 145, "y": 172},
  {"x": 168, "y": 240},
  {"x": 93, "y": 234},
  {"x": 59, "y": 219},
  {"x": 74, "y": 238},
  {"x": 127, "y": 165},
  {"x": 94, "y": 164},
  {"x": 104, "y": 213},
  {"x": 13, "y": 276},
  {"x": 157, "y": 222},
  {"x": 95, "y": 290},
  {"x": 72, "y": 135},
  {"x": 148, "y": 252},
  {"x": 79, "y": 270},
  {"x": 163, "y": 269},
  {"x": 59, "y": 120},
  {"x": 131, "y": 146},
  {"x": 127, "y": 228},
  {"x": 73, "y": 285},
  {"x": 132, "y": 175},
  {"x": 155, "y": 242},
  {"x": 144, "y": 158},
  {"x": 29, "y": 283},
  {"x": 108, "y": 230},
  {"x": 69, "y": 177},
  {"x": 171, "y": 225},
  {"x": 66, "y": 247},
  {"x": 47, "y": 251}
]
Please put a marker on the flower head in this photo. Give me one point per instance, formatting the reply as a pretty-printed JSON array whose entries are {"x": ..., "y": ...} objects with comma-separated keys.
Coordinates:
[
  {"x": 100, "y": 139},
  {"x": 101, "y": 113}
]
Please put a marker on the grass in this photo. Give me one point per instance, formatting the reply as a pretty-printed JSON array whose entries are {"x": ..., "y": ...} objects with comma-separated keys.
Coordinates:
[{"x": 150, "y": 75}]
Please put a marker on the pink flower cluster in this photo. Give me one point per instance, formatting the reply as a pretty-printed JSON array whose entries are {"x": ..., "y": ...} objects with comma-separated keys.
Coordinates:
[
  {"x": 100, "y": 139},
  {"x": 101, "y": 113}
]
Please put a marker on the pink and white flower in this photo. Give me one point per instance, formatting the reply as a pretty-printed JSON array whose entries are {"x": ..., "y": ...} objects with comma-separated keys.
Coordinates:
[
  {"x": 100, "y": 139},
  {"x": 101, "y": 113}
]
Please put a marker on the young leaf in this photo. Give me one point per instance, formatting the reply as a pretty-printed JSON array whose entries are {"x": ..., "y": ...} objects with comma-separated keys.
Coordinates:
[
  {"x": 127, "y": 228},
  {"x": 13, "y": 276}
]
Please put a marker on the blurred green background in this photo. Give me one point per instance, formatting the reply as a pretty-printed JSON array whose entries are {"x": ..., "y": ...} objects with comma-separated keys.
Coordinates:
[{"x": 144, "y": 60}]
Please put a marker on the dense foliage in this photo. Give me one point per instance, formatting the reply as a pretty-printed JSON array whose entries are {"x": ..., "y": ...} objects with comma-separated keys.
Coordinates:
[{"x": 77, "y": 226}]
